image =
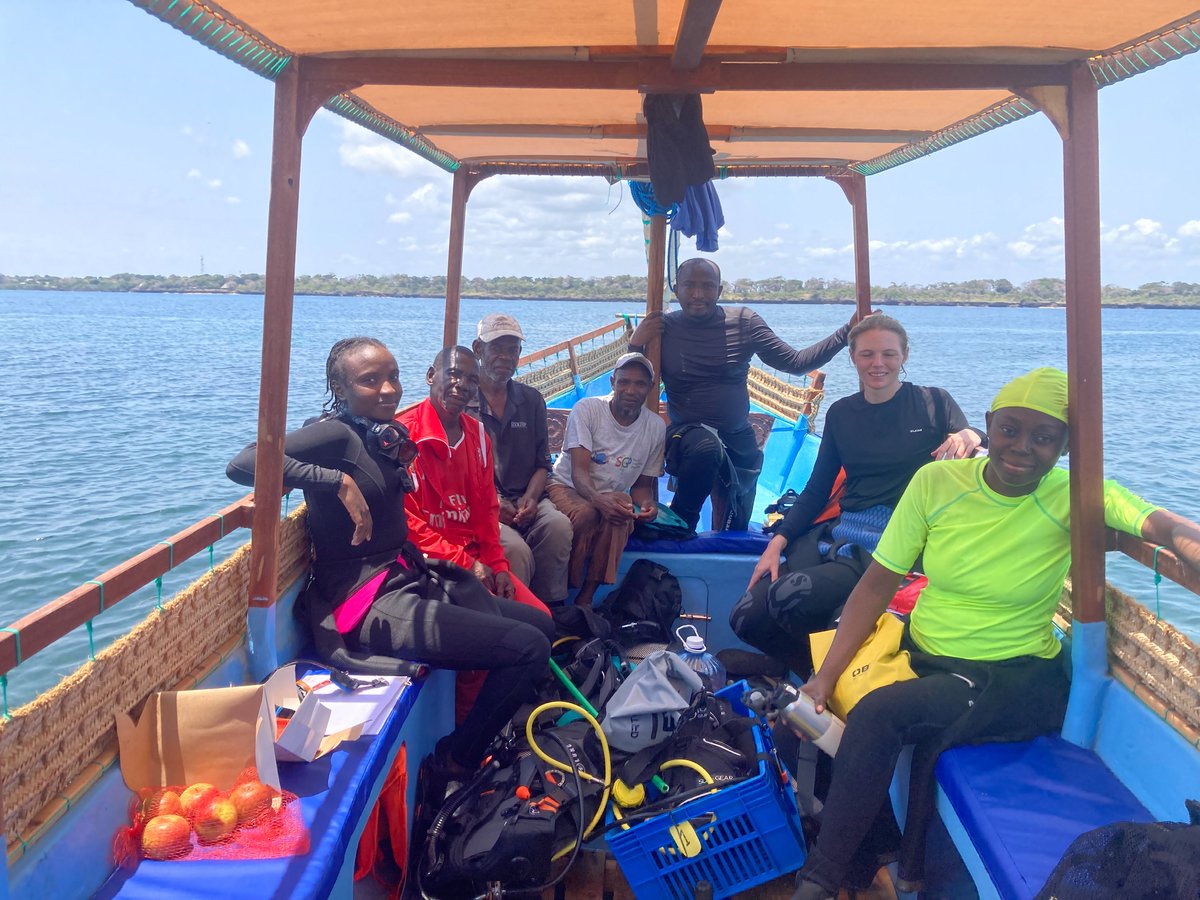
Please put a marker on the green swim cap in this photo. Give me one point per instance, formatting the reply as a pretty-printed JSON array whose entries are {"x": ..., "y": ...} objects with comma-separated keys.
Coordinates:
[{"x": 1044, "y": 390}]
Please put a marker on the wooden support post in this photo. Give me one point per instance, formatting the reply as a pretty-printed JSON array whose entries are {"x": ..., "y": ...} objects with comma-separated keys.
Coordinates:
[
  {"x": 1081, "y": 216},
  {"x": 854, "y": 186},
  {"x": 656, "y": 264},
  {"x": 295, "y": 104},
  {"x": 464, "y": 183}
]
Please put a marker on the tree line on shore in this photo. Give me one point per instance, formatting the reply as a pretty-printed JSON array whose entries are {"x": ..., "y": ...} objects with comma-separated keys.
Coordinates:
[{"x": 632, "y": 288}]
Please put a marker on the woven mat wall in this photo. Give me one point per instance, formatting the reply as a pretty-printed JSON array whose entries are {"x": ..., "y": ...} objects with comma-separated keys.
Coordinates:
[
  {"x": 788, "y": 400},
  {"x": 49, "y": 741},
  {"x": 1157, "y": 661}
]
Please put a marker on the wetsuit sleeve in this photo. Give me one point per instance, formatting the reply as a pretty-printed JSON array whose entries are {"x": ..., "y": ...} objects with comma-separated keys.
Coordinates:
[
  {"x": 310, "y": 455},
  {"x": 816, "y": 493},
  {"x": 776, "y": 352}
]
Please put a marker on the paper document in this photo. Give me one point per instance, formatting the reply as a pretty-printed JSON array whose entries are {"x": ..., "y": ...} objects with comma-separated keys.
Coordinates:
[{"x": 368, "y": 707}]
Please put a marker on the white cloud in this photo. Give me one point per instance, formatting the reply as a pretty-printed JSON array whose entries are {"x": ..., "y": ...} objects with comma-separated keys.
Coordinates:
[
  {"x": 193, "y": 174},
  {"x": 233, "y": 201},
  {"x": 369, "y": 153},
  {"x": 1040, "y": 241},
  {"x": 214, "y": 183},
  {"x": 426, "y": 196},
  {"x": 186, "y": 130},
  {"x": 1190, "y": 228},
  {"x": 240, "y": 149},
  {"x": 1145, "y": 236},
  {"x": 400, "y": 218}
]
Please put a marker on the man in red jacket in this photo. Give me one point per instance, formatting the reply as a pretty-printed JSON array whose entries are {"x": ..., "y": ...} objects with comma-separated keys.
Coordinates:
[{"x": 453, "y": 513}]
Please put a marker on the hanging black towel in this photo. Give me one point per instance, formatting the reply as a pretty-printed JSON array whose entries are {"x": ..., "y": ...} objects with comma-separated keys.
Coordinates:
[{"x": 676, "y": 145}]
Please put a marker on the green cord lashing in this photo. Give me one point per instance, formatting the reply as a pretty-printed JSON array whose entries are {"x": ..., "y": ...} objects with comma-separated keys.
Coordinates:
[
  {"x": 158, "y": 595},
  {"x": 4, "y": 691},
  {"x": 287, "y": 502},
  {"x": 91, "y": 642},
  {"x": 99, "y": 584},
  {"x": 210, "y": 557},
  {"x": 1157, "y": 582}
]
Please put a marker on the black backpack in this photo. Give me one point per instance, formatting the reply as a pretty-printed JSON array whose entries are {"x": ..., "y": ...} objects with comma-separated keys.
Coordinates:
[{"x": 644, "y": 607}]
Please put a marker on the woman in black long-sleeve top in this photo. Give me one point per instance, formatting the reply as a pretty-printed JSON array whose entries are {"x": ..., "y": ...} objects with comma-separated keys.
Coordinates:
[
  {"x": 880, "y": 436},
  {"x": 351, "y": 465}
]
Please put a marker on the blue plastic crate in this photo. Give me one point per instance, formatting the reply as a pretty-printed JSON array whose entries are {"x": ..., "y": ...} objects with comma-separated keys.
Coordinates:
[{"x": 750, "y": 834}]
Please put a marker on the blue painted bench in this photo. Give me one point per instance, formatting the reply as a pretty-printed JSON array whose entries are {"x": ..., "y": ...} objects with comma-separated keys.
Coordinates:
[{"x": 1013, "y": 809}]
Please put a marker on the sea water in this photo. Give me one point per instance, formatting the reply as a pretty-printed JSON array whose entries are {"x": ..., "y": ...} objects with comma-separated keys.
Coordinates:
[{"x": 123, "y": 409}]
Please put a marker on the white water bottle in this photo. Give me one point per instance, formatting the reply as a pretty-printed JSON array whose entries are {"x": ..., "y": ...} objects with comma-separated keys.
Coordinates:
[
  {"x": 710, "y": 669},
  {"x": 824, "y": 729}
]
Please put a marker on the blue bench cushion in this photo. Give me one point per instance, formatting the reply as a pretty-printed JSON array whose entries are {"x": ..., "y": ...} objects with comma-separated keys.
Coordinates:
[
  {"x": 1024, "y": 803},
  {"x": 334, "y": 793},
  {"x": 748, "y": 542}
]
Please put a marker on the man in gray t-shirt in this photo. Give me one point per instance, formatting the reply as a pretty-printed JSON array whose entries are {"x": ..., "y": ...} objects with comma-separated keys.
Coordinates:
[{"x": 604, "y": 480}]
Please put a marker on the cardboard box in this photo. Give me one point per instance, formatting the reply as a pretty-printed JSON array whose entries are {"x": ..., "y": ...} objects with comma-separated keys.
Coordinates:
[{"x": 306, "y": 736}]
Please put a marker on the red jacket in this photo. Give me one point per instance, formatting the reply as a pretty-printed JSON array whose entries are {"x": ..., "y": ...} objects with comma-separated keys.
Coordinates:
[{"x": 454, "y": 513}]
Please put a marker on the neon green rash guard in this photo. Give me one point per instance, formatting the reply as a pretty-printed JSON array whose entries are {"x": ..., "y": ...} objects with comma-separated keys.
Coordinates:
[{"x": 995, "y": 564}]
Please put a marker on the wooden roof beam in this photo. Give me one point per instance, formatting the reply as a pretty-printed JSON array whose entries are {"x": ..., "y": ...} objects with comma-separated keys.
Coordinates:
[
  {"x": 637, "y": 131},
  {"x": 695, "y": 25},
  {"x": 658, "y": 76}
]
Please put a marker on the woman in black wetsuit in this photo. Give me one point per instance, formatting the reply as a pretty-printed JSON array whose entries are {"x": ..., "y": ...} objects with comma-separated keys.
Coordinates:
[
  {"x": 880, "y": 436},
  {"x": 351, "y": 465}
]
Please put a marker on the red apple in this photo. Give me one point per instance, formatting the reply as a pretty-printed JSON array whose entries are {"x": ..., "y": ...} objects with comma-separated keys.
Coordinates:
[
  {"x": 252, "y": 799},
  {"x": 166, "y": 837},
  {"x": 191, "y": 799},
  {"x": 161, "y": 803},
  {"x": 216, "y": 820}
]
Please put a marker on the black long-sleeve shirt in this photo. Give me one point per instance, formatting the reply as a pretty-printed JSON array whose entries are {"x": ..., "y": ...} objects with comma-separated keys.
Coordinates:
[
  {"x": 880, "y": 445},
  {"x": 315, "y": 457},
  {"x": 705, "y": 364}
]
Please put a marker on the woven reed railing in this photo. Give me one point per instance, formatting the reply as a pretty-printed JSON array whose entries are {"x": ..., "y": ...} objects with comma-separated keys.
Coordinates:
[
  {"x": 1152, "y": 658},
  {"x": 55, "y": 747},
  {"x": 557, "y": 377},
  {"x": 791, "y": 401}
]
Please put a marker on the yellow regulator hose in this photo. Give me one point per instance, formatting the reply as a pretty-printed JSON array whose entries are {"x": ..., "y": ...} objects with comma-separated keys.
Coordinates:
[{"x": 566, "y": 766}]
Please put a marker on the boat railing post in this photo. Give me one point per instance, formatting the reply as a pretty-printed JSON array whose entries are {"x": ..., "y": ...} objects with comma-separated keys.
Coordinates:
[
  {"x": 656, "y": 264},
  {"x": 1081, "y": 220},
  {"x": 464, "y": 182},
  {"x": 296, "y": 101},
  {"x": 854, "y": 186}
]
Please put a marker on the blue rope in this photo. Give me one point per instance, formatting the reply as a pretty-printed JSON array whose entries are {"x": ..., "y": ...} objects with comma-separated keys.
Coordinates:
[{"x": 642, "y": 193}]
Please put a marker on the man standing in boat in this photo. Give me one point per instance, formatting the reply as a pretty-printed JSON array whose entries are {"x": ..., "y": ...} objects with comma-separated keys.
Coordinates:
[
  {"x": 604, "y": 479},
  {"x": 706, "y": 351},
  {"x": 536, "y": 537}
]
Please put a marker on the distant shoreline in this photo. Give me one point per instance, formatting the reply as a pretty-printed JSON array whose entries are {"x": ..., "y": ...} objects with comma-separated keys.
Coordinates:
[{"x": 1042, "y": 293}]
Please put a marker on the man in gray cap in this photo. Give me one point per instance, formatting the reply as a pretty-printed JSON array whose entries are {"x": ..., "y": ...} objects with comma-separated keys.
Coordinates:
[
  {"x": 605, "y": 477},
  {"x": 536, "y": 537}
]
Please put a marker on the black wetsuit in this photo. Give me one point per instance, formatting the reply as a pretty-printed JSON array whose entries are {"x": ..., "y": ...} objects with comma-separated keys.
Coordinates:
[
  {"x": 881, "y": 446},
  {"x": 474, "y": 631},
  {"x": 704, "y": 369}
]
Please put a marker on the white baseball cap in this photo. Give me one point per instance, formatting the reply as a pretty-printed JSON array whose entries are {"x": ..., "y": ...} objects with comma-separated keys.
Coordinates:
[
  {"x": 638, "y": 358},
  {"x": 498, "y": 325}
]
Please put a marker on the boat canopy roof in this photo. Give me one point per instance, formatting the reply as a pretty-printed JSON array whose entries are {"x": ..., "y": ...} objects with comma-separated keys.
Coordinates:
[{"x": 555, "y": 87}]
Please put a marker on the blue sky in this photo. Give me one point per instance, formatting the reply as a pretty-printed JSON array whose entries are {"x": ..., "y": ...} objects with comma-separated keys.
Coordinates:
[{"x": 130, "y": 148}]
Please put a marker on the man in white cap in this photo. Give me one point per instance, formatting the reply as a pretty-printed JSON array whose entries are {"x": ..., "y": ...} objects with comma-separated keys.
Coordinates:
[
  {"x": 605, "y": 478},
  {"x": 536, "y": 537}
]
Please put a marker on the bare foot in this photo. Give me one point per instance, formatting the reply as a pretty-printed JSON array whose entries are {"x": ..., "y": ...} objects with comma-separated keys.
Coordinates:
[{"x": 586, "y": 594}]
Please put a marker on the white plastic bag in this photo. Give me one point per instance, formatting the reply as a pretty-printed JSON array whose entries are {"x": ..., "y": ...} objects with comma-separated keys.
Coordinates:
[{"x": 646, "y": 706}]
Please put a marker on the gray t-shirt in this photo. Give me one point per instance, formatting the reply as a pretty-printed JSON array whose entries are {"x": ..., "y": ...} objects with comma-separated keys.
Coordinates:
[{"x": 620, "y": 453}]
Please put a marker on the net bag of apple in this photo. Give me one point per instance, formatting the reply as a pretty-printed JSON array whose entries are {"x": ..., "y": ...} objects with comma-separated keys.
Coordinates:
[{"x": 250, "y": 820}]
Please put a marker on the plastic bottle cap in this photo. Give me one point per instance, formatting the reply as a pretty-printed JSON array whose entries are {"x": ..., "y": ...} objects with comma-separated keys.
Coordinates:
[
  {"x": 694, "y": 644},
  {"x": 522, "y": 792}
]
